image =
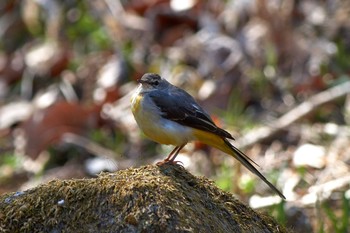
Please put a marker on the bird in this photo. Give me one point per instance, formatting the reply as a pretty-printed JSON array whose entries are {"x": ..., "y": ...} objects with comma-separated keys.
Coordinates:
[{"x": 169, "y": 115}]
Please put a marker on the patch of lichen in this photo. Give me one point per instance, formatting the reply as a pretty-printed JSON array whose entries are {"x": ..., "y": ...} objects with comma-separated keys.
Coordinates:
[{"x": 145, "y": 199}]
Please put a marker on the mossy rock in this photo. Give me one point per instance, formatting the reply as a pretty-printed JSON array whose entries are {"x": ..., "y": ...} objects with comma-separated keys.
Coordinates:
[{"x": 145, "y": 199}]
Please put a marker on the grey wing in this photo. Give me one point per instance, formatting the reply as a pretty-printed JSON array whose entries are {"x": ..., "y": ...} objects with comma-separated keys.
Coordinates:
[{"x": 177, "y": 105}]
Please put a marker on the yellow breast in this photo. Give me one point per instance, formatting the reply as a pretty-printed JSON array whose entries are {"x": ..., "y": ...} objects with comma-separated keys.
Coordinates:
[
  {"x": 157, "y": 128},
  {"x": 135, "y": 103}
]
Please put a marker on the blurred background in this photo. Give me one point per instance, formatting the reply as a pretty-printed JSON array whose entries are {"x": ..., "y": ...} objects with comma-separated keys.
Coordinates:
[{"x": 274, "y": 73}]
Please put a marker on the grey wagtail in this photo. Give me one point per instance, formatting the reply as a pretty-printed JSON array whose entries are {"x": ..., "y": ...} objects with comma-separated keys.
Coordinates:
[{"x": 169, "y": 115}]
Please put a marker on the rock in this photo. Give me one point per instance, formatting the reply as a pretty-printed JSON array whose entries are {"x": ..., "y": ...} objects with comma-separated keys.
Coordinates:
[{"x": 145, "y": 199}]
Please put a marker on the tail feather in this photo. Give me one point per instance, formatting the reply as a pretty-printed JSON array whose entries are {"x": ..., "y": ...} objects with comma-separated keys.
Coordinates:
[
  {"x": 224, "y": 145},
  {"x": 244, "y": 159}
]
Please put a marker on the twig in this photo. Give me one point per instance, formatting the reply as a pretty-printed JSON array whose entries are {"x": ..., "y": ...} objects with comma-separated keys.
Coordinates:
[
  {"x": 316, "y": 193},
  {"x": 323, "y": 191},
  {"x": 96, "y": 149},
  {"x": 295, "y": 114},
  {"x": 88, "y": 145}
]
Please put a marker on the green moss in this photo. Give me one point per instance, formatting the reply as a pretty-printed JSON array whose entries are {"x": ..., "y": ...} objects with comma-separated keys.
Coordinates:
[{"x": 145, "y": 199}]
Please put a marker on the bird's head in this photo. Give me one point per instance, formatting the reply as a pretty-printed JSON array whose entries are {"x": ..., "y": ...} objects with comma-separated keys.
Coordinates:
[{"x": 151, "y": 81}]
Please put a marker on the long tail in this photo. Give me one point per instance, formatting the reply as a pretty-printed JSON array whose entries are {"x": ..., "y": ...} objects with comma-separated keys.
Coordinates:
[
  {"x": 225, "y": 146},
  {"x": 244, "y": 159}
]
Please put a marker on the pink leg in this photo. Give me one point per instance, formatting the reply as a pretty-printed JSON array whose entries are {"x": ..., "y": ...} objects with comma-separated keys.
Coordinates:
[{"x": 171, "y": 157}]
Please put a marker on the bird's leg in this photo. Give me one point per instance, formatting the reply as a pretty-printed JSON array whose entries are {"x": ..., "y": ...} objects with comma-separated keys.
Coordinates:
[
  {"x": 171, "y": 157},
  {"x": 168, "y": 158},
  {"x": 175, "y": 153}
]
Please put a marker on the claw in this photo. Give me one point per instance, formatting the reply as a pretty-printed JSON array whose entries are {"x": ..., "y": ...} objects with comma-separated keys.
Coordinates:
[{"x": 170, "y": 162}]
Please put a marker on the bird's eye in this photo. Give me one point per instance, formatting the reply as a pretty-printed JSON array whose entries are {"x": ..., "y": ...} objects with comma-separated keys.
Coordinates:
[{"x": 155, "y": 83}]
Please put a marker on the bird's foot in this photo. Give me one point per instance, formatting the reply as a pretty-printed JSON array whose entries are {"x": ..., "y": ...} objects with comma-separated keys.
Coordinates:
[{"x": 170, "y": 162}]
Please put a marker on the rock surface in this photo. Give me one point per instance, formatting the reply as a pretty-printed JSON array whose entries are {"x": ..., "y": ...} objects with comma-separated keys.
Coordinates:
[{"x": 145, "y": 199}]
